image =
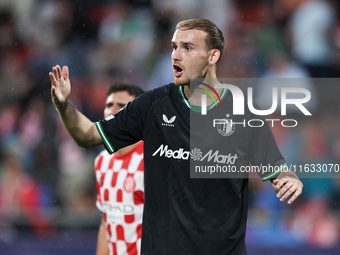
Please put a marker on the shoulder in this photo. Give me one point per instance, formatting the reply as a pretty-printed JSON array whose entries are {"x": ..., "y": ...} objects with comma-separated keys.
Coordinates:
[
  {"x": 164, "y": 90},
  {"x": 156, "y": 94}
]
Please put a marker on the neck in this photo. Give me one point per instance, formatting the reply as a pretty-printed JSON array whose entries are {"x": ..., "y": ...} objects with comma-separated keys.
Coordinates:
[
  {"x": 194, "y": 90},
  {"x": 126, "y": 149}
]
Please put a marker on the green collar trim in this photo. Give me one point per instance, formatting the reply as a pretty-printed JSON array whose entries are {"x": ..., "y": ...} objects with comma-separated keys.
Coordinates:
[{"x": 197, "y": 108}]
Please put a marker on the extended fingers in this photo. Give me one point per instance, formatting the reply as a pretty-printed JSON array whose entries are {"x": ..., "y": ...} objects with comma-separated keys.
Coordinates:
[
  {"x": 295, "y": 195},
  {"x": 286, "y": 191},
  {"x": 65, "y": 72},
  {"x": 275, "y": 181},
  {"x": 55, "y": 75},
  {"x": 52, "y": 77},
  {"x": 281, "y": 182},
  {"x": 56, "y": 71},
  {"x": 291, "y": 187}
]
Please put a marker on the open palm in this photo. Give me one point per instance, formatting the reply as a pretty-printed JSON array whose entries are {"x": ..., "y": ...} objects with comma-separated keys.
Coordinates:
[{"x": 60, "y": 85}]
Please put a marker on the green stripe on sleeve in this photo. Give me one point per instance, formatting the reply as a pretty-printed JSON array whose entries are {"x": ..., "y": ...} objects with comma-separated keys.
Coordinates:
[
  {"x": 277, "y": 171},
  {"x": 106, "y": 141}
]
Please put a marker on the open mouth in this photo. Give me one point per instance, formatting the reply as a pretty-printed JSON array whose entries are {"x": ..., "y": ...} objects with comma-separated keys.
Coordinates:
[{"x": 177, "y": 70}]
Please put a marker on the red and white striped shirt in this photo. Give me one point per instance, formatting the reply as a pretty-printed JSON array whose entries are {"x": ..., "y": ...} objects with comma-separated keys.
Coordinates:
[{"x": 120, "y": 196}]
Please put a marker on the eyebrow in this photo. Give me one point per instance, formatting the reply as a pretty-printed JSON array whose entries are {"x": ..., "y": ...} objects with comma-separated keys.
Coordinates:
[
  {"x": 183, "y": 43},
  {"x": 121, "y": 104}
]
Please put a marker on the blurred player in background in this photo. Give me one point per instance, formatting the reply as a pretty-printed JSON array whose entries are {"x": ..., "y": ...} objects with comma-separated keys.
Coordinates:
[
  {"x": 183, "y": 215},
  {"x": 120, "y": 187}
]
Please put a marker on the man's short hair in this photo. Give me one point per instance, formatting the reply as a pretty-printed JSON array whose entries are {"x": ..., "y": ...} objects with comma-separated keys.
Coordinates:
[
  {"x": 132, "y": 89},
  {"x": 215, "y": 39}
]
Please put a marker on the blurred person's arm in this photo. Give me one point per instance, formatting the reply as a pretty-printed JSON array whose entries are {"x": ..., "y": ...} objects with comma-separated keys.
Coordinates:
[
  {"x": 102, "y": 243},
  {"x": 287, "y": 184},
  {"x": 82, "y": 130}
]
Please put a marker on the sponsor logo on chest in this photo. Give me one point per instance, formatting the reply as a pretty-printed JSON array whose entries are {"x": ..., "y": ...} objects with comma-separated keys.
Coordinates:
[
  {"x": 196, "y": 155},
  {"x": 168, "y": 122}
]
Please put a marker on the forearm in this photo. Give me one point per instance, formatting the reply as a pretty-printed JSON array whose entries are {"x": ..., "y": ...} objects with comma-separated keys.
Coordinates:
[{"x": 82, "y": 130}]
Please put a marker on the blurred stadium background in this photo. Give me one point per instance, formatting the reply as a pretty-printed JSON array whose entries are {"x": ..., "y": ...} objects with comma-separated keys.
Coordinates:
[{"x": 47, "y": 187}]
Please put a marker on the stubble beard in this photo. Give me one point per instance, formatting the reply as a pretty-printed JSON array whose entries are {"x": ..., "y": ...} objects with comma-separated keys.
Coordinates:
[{"x": 181, "y": 81}]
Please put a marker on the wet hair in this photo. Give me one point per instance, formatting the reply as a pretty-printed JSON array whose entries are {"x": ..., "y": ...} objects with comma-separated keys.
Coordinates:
[
  {"x": 132, "y": 89},
  {"x": 214, "y": 40}
]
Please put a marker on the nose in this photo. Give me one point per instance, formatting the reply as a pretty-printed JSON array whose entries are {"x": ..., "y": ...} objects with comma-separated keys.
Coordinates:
[
  {"x": 110, "y": 111},
  {"x": 114, "y": 109},
  {"x": 176, "y": 54}
]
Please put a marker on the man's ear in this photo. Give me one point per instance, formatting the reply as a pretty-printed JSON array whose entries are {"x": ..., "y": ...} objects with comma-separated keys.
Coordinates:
[{"x": 215, "y": 55}]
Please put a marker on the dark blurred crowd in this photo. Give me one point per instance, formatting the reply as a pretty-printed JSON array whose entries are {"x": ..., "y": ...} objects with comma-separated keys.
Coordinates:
[{"x": 47, "y": 182}]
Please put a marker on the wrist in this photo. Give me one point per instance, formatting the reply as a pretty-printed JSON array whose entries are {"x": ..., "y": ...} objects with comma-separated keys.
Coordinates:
[{"x": 62, "y": 107}]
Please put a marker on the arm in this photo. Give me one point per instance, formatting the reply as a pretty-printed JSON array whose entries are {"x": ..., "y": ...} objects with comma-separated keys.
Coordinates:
[
  {"x": 287, "y": 184},
  {"x": 102, "y": 243},
  {"x": 82, "y": 130}
]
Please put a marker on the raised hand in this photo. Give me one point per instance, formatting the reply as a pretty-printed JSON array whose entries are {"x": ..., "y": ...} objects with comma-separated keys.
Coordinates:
[{"x": 60, "y": 85}]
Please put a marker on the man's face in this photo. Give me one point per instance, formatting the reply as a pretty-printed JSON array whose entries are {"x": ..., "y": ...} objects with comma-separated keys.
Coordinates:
[
  {"x": 116, "y": 101},
  {"x": 189, "y": 55}
]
